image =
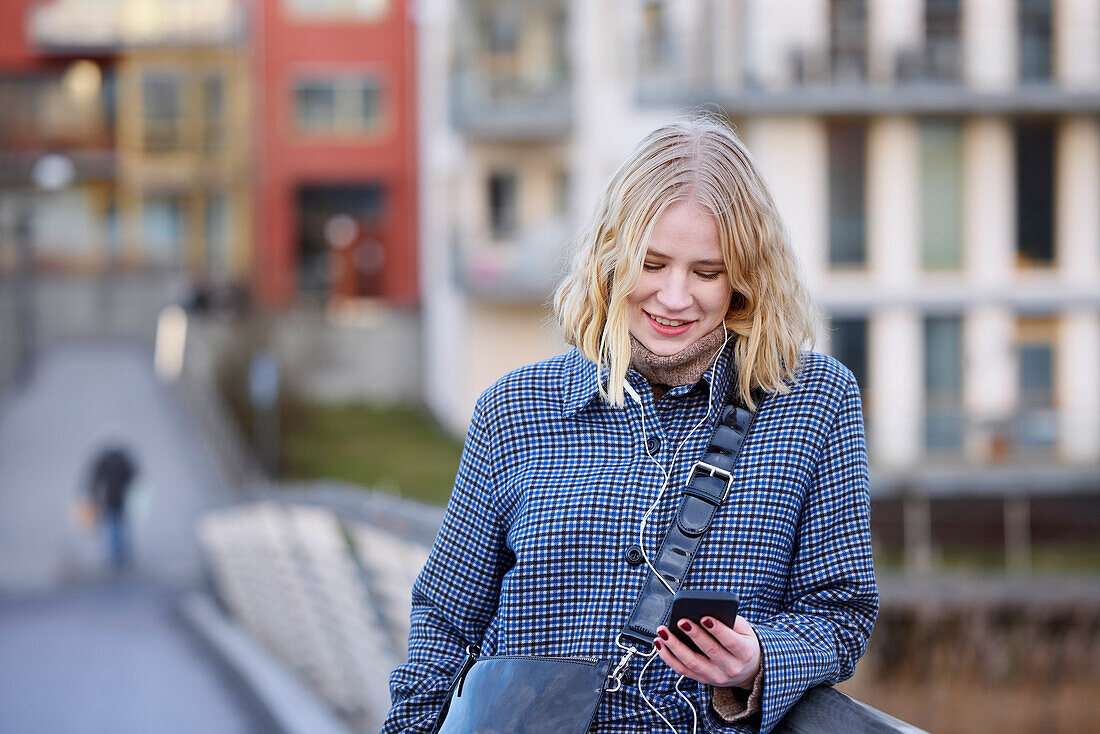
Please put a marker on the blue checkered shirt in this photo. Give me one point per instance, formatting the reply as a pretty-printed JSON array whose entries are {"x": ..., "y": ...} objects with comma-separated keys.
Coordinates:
[{"x": 549, "y": 495}]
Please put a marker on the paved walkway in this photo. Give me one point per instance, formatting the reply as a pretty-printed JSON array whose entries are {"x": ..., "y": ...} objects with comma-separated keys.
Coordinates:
[
  {"x": 81, "y": 650},
  {"x": 113, "y": 658},
  {"x": 82, "y": 395}
]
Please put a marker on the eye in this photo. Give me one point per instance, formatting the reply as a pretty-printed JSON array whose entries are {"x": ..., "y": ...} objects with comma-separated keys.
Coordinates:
[
  {"x": 710, "y": 275},
  {"x": 651, "y": 267}
]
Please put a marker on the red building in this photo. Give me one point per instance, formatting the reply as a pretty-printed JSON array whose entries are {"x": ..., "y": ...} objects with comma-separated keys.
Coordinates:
[{"x": 335, "y": 151}]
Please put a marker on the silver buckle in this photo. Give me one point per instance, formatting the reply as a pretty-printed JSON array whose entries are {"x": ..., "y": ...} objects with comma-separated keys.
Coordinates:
[
  {"x": 714, "y": 471},
  {"x": 632, "y": 651}
]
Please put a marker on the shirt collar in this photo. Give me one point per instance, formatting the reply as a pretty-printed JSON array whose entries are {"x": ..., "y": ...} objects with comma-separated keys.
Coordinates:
[
  {"x": 581, "y": 387},
  {"x": 580, "y": 383}
]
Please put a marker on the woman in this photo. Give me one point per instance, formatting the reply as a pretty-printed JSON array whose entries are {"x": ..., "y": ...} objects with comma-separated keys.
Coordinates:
[{"x": 683, "y": 295}]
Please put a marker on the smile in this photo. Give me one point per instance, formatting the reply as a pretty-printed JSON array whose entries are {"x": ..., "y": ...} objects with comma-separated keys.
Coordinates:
[{"x": 666, "y": 322}]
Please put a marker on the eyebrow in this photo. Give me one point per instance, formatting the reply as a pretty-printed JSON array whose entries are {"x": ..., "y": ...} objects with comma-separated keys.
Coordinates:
[{"x": 704, "y": 263}]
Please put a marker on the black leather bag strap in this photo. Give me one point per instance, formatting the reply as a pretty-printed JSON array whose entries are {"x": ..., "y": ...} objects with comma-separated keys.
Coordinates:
[{"x": 708, "y": 485}]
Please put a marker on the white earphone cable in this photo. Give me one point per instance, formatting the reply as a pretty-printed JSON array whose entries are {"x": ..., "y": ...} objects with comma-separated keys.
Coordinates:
[
  {"x": 645, "y": 520},
  {"x": 666, "y": 474},
  {"x": 694, "y": 713},
  {"x": 681, "y": 694}
]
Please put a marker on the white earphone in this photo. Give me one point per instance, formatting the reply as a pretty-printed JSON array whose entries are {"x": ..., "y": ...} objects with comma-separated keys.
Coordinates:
[{"x": 645, "y": 518}]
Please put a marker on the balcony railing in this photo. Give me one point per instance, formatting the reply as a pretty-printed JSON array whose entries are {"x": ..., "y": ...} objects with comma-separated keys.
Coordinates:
[
  {"x": 939, "y": 64},
  {"x": 511, "y": 106},
  {"x": 521, "y": 269},
  {"x": 322, "y": 579},
  {"x": 817, "y": 81},
  {"x": 69, "y": 27}
]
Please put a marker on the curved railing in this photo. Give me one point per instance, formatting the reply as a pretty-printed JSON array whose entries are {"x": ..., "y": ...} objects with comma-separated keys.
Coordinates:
[{"x": 322, "y": 578}]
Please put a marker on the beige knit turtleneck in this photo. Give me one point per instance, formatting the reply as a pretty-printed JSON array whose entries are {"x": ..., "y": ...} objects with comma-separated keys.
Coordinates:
[{"x": 686, "y": 367}]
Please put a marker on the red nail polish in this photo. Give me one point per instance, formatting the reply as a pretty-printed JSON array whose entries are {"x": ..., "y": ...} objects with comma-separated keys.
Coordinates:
[
  {"x": 658, "y": 645},
  {"x": 685, "y": 625},
  {"x": 663, "y": 634},
  {"x": 708, "y": 623}
]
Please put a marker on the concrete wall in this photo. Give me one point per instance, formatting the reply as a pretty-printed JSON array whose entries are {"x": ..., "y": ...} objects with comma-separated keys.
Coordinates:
[
  {"x": 372, "y": 354},
  {"x": 368, "y": 356}
]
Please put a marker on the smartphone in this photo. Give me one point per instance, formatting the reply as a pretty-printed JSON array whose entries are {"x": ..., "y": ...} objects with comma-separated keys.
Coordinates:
[{"x": 694, "y": 605}]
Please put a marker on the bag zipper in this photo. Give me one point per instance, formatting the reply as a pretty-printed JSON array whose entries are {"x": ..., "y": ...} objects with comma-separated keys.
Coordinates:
[
  {"x": 472, "y": 651},
  {"x": 592, "y": 661}
]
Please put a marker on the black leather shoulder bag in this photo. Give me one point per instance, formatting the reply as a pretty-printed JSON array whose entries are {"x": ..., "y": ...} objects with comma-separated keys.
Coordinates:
[{"x": 524, "y": 694}]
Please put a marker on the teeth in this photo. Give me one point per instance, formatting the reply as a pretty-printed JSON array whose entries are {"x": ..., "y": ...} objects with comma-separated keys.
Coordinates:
[{"x": 667, "y": 322}]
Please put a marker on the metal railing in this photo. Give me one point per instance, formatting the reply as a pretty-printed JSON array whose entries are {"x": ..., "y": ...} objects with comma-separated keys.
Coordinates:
[{"x": 322, "y": 577}]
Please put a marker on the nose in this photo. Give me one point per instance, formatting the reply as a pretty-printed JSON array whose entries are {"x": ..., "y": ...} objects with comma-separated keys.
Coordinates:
[{"x": 674, "y": 293}]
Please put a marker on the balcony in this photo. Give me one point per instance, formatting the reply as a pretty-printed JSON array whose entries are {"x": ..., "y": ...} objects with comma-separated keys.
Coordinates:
[
  {"x": 510, "y": 79},
  {"x": 80, "y": 27},
  {"x": 521, "y": 269},
  {"x": 67, "y": 111},
  {"x": 505, "y": 107},
  {"x": 821, "y": 82}
]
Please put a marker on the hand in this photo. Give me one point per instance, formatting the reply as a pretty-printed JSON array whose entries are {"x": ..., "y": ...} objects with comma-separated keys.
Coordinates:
[{"x": 731, "y": 657}]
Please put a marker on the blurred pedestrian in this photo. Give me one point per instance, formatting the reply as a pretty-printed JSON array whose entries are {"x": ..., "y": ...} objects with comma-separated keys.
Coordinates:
[{"x": 111, "y": 479}]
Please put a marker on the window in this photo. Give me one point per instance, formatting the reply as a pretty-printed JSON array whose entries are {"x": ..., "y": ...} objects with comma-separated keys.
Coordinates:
[
  {"x": 1036, "y": 425},
  {"x": 315, "y": 105},
  {"x": 942, "y": 57},
  {"x": 848, "y": 40},
  {"x": 943, "y": 417},
  {"x": 501, "y": 26},
  {"x": 1035, "y": 40},
  {"x": 336, "y": 9},
  {"x": 941, "y": 195},
  {"x": 216, "y": 232},
  {"x": 849, "y": 345},
  {"x": 111, "y": 228},
  {"x": 502, "y": 204},
  {"x": 559, "y": 43},
  {"x": 561, "y": 192},
  {"x": 656, "y": 40},
  {"x": 337, "y": 105},
  {"x": 163, "y": 229},
  {"x": 161, "y": 111},
  {"x": 213, "y": 112},
  {"x": 1035, "y": 194},
  {"x": 847, "y": 143}
]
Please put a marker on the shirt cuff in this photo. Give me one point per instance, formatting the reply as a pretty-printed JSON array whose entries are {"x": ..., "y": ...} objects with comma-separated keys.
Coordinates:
[{"x": 736, "y": 704}]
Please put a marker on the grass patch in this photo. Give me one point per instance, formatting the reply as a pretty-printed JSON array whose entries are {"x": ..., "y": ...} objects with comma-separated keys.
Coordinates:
[{"x": 398, "y": 450}]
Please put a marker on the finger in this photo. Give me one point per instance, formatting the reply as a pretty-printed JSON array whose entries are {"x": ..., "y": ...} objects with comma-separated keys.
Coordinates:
[
  {"x": 684, "y": 660},
  {"x": 743, "y": 646},
  {"x": 709, "y": 662},
  {"x": 706, "y": 642},
  {"x": 734, "y": 640}
]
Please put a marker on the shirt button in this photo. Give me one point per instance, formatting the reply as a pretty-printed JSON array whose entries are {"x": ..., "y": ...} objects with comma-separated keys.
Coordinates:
[
  {"x": 652, "y": 445},
  {"x": 633, "y": 555}
]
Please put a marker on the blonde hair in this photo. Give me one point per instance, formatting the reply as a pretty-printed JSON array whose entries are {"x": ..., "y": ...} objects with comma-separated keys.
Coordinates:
[{"x": 700, "y": 158}]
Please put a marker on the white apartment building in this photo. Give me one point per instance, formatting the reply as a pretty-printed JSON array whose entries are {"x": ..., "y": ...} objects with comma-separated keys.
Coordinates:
[{"x": 937, "y": 163}]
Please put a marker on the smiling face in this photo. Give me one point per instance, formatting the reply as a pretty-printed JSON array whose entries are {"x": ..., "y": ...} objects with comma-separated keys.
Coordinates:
[{"x": 683, "y": 292}]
